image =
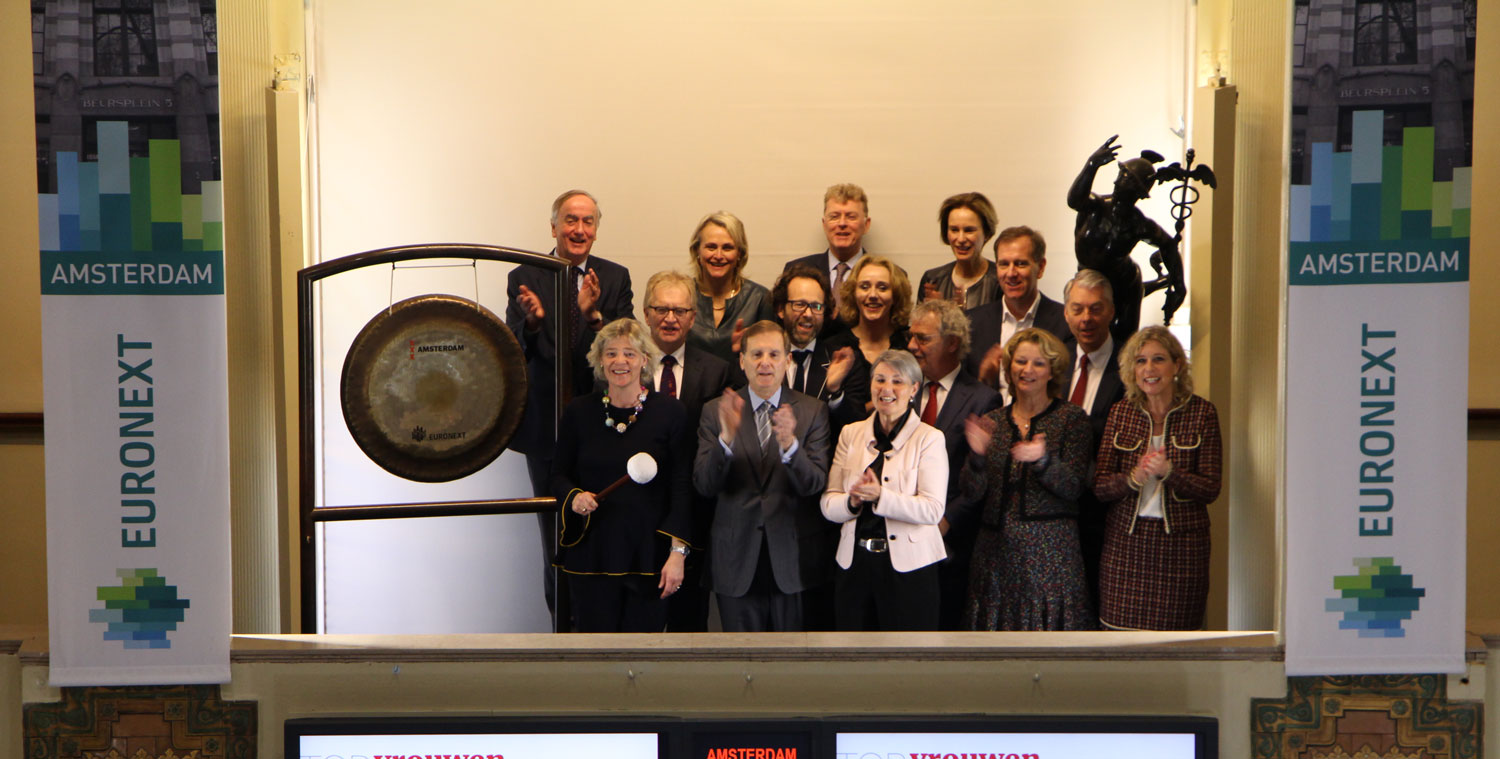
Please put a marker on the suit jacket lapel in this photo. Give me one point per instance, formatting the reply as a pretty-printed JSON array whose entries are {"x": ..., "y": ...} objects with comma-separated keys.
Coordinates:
[
  {"x": 817, "y": 370},
  {"x": 687, "y": 388},
  {"x": 1109, "y": 385},
  {"x": 958, "y": 397}
]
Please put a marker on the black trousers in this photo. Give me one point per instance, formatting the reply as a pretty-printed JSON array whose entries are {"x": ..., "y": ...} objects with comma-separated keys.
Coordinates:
[
  {"x": 687, "y": 609},
  {"x": 764, "y": 607},
  {"x": 539, "y": 468},
  {"x": 616, "y": 603},
  {"x": 872, "y": 595},
  {"x": 953, "y": 579}
]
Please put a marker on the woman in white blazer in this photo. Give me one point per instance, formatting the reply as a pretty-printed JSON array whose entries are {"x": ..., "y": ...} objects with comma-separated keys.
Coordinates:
[{"x": 888, "y": 487}]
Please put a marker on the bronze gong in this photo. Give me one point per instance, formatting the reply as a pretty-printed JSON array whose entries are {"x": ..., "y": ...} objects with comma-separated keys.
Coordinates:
[{"x": 433, "y": 388}]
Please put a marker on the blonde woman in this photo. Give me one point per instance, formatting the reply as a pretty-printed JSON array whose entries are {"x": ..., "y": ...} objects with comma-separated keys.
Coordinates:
[
  {"x": 1159, "y": 468},
  {"x": 727, "y": 302}
]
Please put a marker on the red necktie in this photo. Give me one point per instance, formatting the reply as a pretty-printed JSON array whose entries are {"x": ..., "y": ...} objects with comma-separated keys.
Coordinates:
[
  {"x": 1082, "y": 388},
  {"x": 668, "y": 377},
  {"x": 929, "y": 414}
]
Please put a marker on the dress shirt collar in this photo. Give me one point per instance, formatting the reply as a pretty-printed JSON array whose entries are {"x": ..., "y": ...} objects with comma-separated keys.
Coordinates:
[
  {"x": 833, "y": 262},
  {"x": 948, "y": 379},
  {"x": 581, "y": 266},
  {"x": 756, "y": 401},
  {"x": 1025, "y": 321},
  {"x": 1098, "y": 359}
]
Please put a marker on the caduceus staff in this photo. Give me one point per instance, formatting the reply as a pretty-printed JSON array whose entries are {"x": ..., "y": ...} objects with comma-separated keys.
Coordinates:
[{"x": 1183, "y": 196}]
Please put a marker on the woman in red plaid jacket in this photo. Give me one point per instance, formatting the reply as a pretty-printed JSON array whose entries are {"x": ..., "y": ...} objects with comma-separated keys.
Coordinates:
[{"x": 1158, "y": 470}]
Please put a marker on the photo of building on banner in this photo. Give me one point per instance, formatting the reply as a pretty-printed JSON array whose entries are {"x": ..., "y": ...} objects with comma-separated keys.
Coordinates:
[
  {"x": 1377, "y": 346},
  {"x": 133, "y": 341}
]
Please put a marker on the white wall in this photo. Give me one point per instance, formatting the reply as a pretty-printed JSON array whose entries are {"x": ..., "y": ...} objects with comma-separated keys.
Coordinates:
[{"x": 464, "y": 121}]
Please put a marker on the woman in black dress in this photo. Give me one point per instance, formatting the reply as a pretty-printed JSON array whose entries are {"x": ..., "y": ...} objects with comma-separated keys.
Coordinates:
[
  {"x": 623, "y": 556},
  {"x": 876, "y": 302}
]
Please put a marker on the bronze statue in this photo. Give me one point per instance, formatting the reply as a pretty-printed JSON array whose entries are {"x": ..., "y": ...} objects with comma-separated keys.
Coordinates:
[{"x": 1109, "y": 227}]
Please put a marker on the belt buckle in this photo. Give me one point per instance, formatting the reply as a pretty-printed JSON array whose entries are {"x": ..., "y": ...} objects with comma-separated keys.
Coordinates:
[{"x": 874, "y": 545}]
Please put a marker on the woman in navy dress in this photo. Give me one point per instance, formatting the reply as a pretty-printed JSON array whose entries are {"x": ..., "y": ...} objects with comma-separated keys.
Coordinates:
[{"x": 622, "y": 555}]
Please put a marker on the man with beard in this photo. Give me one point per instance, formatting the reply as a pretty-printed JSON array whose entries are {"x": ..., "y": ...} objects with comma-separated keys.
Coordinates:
[
  {"x": 840, "y": 377},
  {"x": 1020, "y": 259},
  {"x": 603, "y": 294},
  {"x": 695, "y": 377}
]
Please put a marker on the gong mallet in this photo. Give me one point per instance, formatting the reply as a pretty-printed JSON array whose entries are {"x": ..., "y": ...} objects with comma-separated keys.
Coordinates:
[{"x": 641, "y": 469}]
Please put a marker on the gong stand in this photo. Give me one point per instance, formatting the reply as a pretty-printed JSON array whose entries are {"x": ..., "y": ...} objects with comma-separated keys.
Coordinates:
[{"x": 307, "y": 441}]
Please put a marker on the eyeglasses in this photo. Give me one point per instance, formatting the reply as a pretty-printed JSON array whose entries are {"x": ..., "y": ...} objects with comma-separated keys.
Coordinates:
[
  {"x": 798, "y": 306},
  {"x": 663, "y": 311}
]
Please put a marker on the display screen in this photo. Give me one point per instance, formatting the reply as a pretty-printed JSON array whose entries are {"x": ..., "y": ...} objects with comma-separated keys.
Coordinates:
[
  {"x": 1017, "y": 745},
  {"x": 648, "y": 737},
  {"x": 477, "y": 745}
]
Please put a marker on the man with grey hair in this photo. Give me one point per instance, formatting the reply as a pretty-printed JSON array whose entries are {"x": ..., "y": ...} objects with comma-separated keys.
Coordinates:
[
  {"x": 949, "y": 395},
  {"x": 602, "y": 294},
  {"x": 1093, "y": 382},
  {"x": 695, "y": 377}
]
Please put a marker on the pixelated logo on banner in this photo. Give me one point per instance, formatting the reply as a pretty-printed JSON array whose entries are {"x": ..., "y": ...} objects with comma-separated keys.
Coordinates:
[
  {"x": 141, "y": 610},
  {"x": 1377, "y": 599}
]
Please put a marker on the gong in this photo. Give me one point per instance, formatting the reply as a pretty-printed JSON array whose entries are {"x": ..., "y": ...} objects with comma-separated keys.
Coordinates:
[{"x": 433, "y": 388}]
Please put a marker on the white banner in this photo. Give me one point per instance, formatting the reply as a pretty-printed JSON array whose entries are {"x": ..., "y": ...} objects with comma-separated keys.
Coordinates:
[
  {"x": 1376, "y": 465},
  {"x": 1378, "y": 338},
  {"x": 137, "y": 428},
  {"x": 137, "y": 456},
  {"x": 1377, "y": 378}
]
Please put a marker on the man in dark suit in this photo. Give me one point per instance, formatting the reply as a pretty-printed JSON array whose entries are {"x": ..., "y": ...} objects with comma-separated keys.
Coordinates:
[
  {"x": 949, "y": 396},
  {"x": 1020, "y": 261},
  {"x": 695, "y": 377},
  {"x": 763, "y": 452},
  {"x": 846, "y": 219},
  {"x": 1093, "y": 382},
  {"x": 603, "y": 295}
]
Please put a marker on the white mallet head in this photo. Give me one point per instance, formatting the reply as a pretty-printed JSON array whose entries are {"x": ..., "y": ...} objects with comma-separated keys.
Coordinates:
[{"x": 641, "y": 468}]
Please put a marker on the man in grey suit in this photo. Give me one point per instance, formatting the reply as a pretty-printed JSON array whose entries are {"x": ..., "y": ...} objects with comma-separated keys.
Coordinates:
[
  {"x": 1093, "y": 382},
  {"x": 950, "y": 395},
  {"x": 695, "y": 377},
  {"x": 763, "y": 452},
  {"x": 1020, "y": 261}
]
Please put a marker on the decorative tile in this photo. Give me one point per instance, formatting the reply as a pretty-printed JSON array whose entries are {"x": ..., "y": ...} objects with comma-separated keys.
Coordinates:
[
  {"x": 147, "y": 722},
  {"x": 1366, "y": 717}
]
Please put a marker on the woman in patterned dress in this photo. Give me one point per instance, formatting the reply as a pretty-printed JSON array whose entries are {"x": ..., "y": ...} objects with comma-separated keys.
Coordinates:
[
  {"x": 1159, "y": 469},
  {"x": 1032, "y": 461}
]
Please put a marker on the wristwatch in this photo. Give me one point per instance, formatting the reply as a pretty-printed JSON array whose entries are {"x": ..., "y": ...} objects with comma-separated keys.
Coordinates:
[{"x": 680, "y": 549}]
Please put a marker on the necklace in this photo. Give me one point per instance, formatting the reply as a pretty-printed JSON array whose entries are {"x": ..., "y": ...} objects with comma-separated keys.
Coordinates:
[{"x": 620, "y": 427}]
